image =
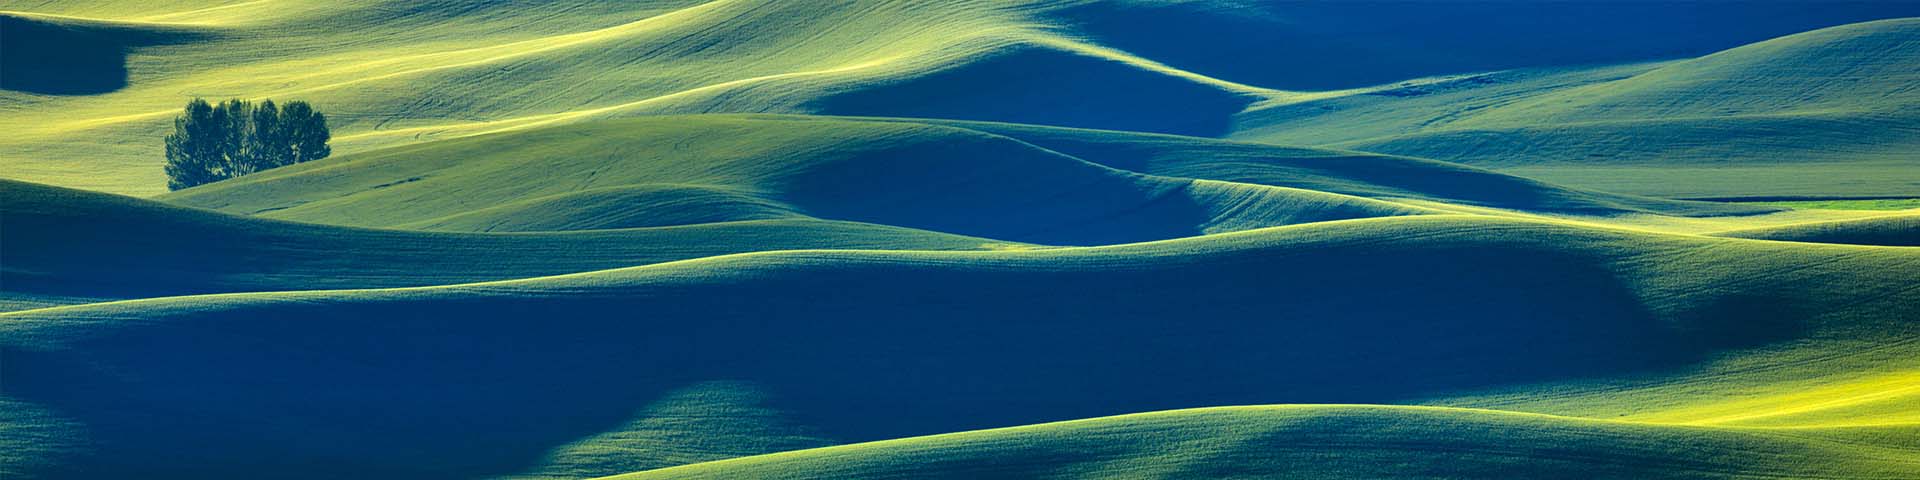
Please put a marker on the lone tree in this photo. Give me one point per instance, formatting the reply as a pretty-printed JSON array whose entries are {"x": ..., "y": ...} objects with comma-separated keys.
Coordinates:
[{"x": 211, "y": 143}]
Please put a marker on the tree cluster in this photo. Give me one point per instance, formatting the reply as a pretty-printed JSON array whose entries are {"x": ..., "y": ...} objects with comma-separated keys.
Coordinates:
[{"x": 211, "y": 143}]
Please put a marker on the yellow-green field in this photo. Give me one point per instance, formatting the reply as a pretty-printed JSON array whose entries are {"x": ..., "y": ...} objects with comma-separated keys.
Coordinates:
[{"x": 890, "y": 239}]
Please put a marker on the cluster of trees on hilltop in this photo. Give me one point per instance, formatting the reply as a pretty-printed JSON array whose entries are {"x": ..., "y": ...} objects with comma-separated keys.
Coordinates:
[{"x": 211, "y": 143}]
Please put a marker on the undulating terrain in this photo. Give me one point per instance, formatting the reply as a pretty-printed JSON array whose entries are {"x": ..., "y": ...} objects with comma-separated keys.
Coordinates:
[{"x": 883, "y": 239}]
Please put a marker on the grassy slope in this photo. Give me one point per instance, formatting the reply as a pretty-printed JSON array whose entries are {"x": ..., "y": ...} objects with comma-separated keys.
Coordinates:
[
  {"x": 65, "y": 246},
  {"x": 1821, "y": 113},
  {"x": 1339, "y": 171},
  {"x": 391, "y": 72},
  {"x": 874, "y": 345},
  {"x": 973, "y": 178},
  {"x": 912, "y": 175},
  {"x": 1892, "y": 230},
  {"x": 1849, "y": 204},
  {"x": 1313, "y": 441}
]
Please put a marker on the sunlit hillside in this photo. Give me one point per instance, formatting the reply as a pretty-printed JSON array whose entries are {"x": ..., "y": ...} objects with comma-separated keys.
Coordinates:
[{"x": 400, "y": 72}]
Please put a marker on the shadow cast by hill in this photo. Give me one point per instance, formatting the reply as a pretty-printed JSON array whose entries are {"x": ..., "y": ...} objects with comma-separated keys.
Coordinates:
[{"x": 70, "y": 58}]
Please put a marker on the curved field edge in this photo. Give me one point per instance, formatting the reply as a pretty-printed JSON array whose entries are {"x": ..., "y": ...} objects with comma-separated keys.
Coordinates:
[{"x": 1339, "y": 441}]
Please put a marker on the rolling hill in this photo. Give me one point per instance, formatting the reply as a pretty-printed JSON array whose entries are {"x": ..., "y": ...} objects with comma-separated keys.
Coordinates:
[
  {"x": 72, "y": 246},
  {"x": 874, "y": 345},
  {"x": 391, "y": 72},
  {"x": 1301, "y": 441},
  {"x": 1827, "y": 112},
  {"x": 904, "y": 174},
  {"x": 1060, "y": 239}
]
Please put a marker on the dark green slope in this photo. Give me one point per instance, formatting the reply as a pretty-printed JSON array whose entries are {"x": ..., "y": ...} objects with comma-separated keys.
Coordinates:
[
  {"x": 68, "y": 246},
  {"x": 1339, "y": 171},
  {"x": 465, "y": 381},
  {"x": 910, "y": 175},
  {"x": 649, "y": 205}
]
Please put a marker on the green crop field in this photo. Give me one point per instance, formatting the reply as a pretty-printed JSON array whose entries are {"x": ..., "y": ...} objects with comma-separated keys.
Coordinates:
[
  {"x": 892, "y": 239},
  {"x": 1867, "y": 204}
]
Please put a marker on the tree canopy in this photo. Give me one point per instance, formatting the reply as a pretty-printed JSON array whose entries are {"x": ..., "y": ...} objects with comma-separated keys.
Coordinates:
[{"x": 213, "y": 142}]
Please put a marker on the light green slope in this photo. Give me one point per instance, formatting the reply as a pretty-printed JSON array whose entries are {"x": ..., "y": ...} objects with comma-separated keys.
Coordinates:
[
  {"x": 1458, "y": 310},
  {"x": 392, "y": 72},
  {"x": 1410, "y": 106},
  {"x": 728, "y": 166},
  {"x": 1859, "y": 68},
  {"x": 1827, "y": 113},
  {"x": 69, "y": 246},
  {"x": 1317, "y": 442}
]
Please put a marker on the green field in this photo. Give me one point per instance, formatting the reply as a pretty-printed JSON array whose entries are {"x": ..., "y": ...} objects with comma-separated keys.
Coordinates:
[
  {"x": 1875, "y": 204},
  {"x": 889, "y": 239}
]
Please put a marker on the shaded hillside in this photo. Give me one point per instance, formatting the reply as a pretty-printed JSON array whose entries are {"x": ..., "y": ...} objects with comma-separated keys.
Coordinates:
[
  {"x": 1891, "y": 230},
  {"x": 51, "y": 55},
  {"x": 873, "y": 345},
  {"x": 1336, "y": 45},
  {"x": 1378, "y": 176},
  {"x": 63, "y": 246}
]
